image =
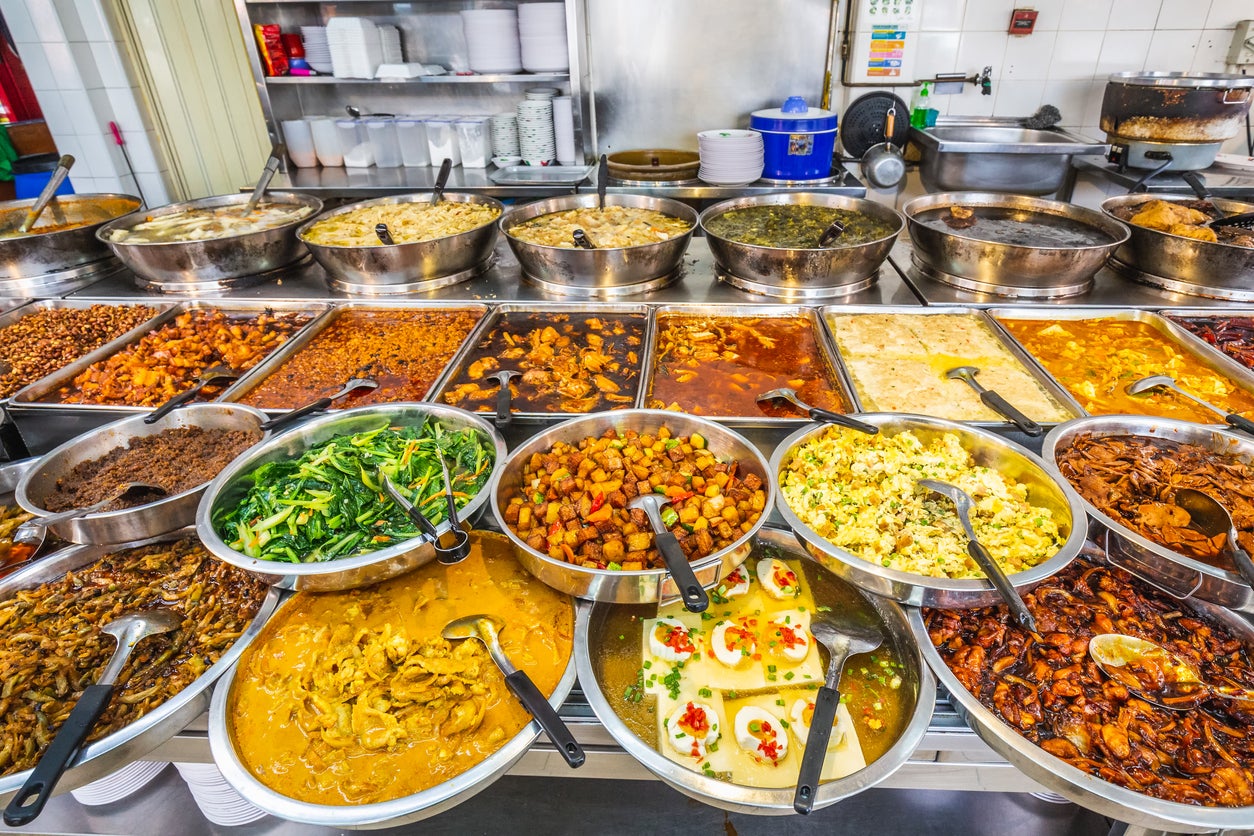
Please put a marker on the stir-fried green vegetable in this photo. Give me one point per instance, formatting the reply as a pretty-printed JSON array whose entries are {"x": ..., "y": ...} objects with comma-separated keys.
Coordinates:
[{"x": 329, "y": 504}]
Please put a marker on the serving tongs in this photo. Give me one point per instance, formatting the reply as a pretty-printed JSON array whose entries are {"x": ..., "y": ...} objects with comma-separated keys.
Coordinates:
[
  {"x": 825, "y": 416},
  {"x": 129, "y": 630},
  {"x": 289, "y": 418},
  {"x": 994, "y": 401},
  {"x": 211, "y": 375},
  {"x": 37, "y": 208},
  {"x": 457, "y": 538},
  {"x": 1155, "y": 381}
]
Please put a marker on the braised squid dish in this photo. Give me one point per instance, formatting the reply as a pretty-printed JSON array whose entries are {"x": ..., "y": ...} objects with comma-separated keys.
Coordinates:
[
  {"x": 1233, "y": 335},
  {"x": 354, "y": 697}
]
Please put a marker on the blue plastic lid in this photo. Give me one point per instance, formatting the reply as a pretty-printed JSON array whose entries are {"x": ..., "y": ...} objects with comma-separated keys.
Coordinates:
[{"x": 795, "y": 116}]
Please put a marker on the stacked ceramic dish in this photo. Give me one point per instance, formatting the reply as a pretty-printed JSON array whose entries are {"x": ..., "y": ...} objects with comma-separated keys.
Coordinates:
[
  {"x": 217, "y": 801},
  {"x": 492, "y": 40},
  {"x": 542, "y": 34},
  {"x": 536, "y": 141},
  {"x": 730, "y": 157},
  {"x": 505, "y": 135},
  {"x": 355, "y": 47},
  {"x": 317, "y": 49},
  {"x": 128, "y": 780}
]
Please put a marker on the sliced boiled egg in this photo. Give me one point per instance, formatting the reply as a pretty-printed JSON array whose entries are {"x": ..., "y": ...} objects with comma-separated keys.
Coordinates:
[
  {"x": 732, "y": 643},
  {"x": 789, "y": 639},
  {"x": 780, "y": 582},
  {"x": 735, "y": 584},
  {"x": 692, "y": 728},
  {"x": 761, "y": 734},
  {"x": 802, "y": 711},
  {"x": 671, "y": 641}
]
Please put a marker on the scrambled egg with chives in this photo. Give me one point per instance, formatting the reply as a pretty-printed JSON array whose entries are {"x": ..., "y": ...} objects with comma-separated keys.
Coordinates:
[
  {"x": 859, "y": 492},
  {"x": 409, "y": 223}
]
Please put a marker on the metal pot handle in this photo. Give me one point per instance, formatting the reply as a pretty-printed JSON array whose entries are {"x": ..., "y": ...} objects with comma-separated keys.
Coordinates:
[
  {"x": 1243, "y": 95},
  {"x": 1118, "y": 556}
]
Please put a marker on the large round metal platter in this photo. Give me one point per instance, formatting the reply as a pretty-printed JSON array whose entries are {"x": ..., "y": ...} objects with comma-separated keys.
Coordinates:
[
  {"x": 100, "y": 758},
  {"x": 398, "y": 811},
  {"x": 1162, "y": 567},
  {"x": 630, "y": 587},
  {"x": 347, "y": 572},
  {"x": 594, "y": 631},
  {"x": 1055, "y": 774},
  {"x": 987, "y": 449}
]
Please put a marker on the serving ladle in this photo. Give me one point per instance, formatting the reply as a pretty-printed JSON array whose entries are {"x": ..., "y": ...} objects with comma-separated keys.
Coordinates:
[
  {"x": 384, "y": 235},
  {"x": 129, "y": 630},
  {"x": 289, "y": 418},
  {"x": 994, "y": 401},
  {"x": 694, "y": 597},
  {"x": 31, "y": 216},
  {"x": 1156, "y": 674},
  {"x": 263, "y": 182},
  {"x": 841, "y": 641},
  {"x": 963, "y": 506},
  {"x": 1209, "y": 516},
  {"x": 581, "y": 240},
  {"x": 441, "y": 181},
  {"x": 829, "y": 236},
  {"x": 211, "y": 375},
  {"x": 816, "y": 414},
  {"x": 504, "y": 395},
  {"x": 486, "y": 628},
  {"x": 30, "y": 535},
  {"x": 1155, "y": 381}
]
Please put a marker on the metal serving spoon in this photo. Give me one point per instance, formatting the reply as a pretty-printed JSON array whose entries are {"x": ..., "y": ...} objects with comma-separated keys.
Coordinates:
[
  {"x": 1145, "y": 384},
  {"x": 963, "y": 505},
  {"x": 441, "y": 180},
  {"x": 1209, "y": 516},
  {"x": 816, "y": 414},
  {"x": 289, "y": 418},
  {"x": 1156, "y": 674},
  {"x": 129, "y": 630},
  {"x": 994, "y": 401},
  {"x": 504, "y": 396},
  {"x": 263, "y": 182},
  {"x": 582, "y": 241},
  {"x": 485, "y": 628},
  {"x": 384, "y": 234},
  {"x": 32, "y": 533},
  {"x": 213, "y": 374},
  {"x": 841, "y": 641},
  {"x": 694, "y": 597}
]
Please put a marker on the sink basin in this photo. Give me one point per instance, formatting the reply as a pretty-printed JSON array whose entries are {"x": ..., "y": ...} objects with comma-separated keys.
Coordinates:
[{"x": 997, "y": 156}]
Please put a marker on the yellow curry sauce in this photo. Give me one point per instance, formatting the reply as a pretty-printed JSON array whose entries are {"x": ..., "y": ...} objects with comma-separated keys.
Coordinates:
[
  {"x": 1095, "y": 359},
  {"x": 354, "y": 697}
]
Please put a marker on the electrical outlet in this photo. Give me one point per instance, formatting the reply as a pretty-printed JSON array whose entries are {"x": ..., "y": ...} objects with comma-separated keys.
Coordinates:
[{"x": 1242, "y": 49}]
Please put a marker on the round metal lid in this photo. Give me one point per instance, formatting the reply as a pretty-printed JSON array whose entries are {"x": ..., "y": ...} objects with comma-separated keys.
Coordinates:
[{"x": 1161, "y": 79}]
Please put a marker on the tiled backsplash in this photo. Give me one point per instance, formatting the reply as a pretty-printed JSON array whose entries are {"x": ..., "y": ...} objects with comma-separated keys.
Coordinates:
[{"x": 74, "y": 62}]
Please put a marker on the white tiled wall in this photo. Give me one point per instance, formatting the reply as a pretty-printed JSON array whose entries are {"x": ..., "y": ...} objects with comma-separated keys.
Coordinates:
[{"x": 74, "y": 62}]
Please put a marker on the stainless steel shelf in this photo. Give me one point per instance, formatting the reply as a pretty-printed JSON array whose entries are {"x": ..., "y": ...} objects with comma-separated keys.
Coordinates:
[{"x": 487, "y": 78}]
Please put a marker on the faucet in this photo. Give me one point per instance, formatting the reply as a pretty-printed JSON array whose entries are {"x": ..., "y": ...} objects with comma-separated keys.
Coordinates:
[{"x": 985, "y": 81}]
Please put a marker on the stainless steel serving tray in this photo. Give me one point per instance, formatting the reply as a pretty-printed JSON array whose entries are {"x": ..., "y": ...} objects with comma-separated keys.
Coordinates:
[
  {"x": 822, "y": 339},
  {"x": 37, "y": 412},
  {"x": 347, "y": 572},
  {"x": 589, "y": 631},
  {"x": 1045, "y": 489},
  {"x": 131, "y": 742},
  {"x": 1185, "y": 335},
  {"x": 398, "y": 811},
  {"x": 1089, "y": 791},
  {"x": 310, "y": 333},
  {"x": 1168, "y": 570},
  {"x": 492, "y": 320},
  {"x": 1028, "y": 364},
  {"x": 1215, "y": 360}
]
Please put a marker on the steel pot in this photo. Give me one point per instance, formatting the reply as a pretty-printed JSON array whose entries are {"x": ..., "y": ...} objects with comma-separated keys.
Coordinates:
[
  {"x": 41, "y": 253},
  {"x": 654, "y": 164},
  {"x": 883, "y": 166},
  {"x": 1176, "y": 107}
]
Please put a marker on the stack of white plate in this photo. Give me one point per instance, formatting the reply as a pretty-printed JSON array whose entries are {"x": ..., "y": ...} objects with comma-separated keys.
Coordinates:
[
  {"x": 542, "y": 32},
  {"x": 317, "y": 50},
  {"x": 118, "y": 785},
  {"x": 390, "y": 45},
  {"x": 217, "y": 801},
  {"x": 355, "y": 48},
  {"x": 505, "y": 135},
  {"x": 492, "y": 39},
  {"x": 730, "y": 157},
  {"x": 536, "y": 142}
]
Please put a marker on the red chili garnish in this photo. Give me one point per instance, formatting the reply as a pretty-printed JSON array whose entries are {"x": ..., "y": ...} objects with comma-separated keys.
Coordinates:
[
  {"x": 789, "y": 636},
  {"x": 598, "y": 499},
  {"x": 736, "y": 638},
  {"x": 695, "y": 721},
  {"x": 677, "y": 639},
  {"x": 784, "y": 577}
]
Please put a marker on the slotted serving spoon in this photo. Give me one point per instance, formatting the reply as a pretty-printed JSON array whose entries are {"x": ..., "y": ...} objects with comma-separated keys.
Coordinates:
[
  {"x": 1209, "y": 516},
  {"x": 826, "y": 416},
  {"x": 289, "y": 418},
  {"x": 841, "y": 641},
  {"x": 213, "y": 374},
  {"x": 504, "y": 395},
  {"x": 485, "y": 628},
  {"x": 1156, "y": 674},
  {"x": 31, "y": 534},
  {"x": 129, "y": 630},
  {"x": 1155, "y": 381}
]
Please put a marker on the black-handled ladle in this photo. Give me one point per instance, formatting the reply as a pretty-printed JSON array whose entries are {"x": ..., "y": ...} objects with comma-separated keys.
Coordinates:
[
  {"x": 695, "y": 598},
  {"x": 581, "y": 240},
  {"x": 825, "y": 416},
  {"x": 504, "y": 396},
  {"x": 995, "y": 401},
  {"x": 129, "y": 630},
  {"x": 441, "y": 181},
  {"x": 1155, "y": 381},
  {"x": 384, "y": 234},
  {"x": 829, "y": 236},
  {"x": 213, "y": 374},
  {"x": 289, "y": 418},
  {"x": 603, "y": 180}
]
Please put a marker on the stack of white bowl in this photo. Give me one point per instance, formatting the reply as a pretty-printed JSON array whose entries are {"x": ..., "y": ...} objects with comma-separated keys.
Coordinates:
[
  {"x": 730, "y": 157},
  {"x": 505, "y": 135},
  {"x": 536, "y": 141},
  {"x": 317, "y": 50},
  {"x": 118, "y": 785},
  {"x": 219, "y": 803},
  {"x": 542, "y": 32},
  {"x": 492, "y": 39},
  {"x": 355, "y": 48}
]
